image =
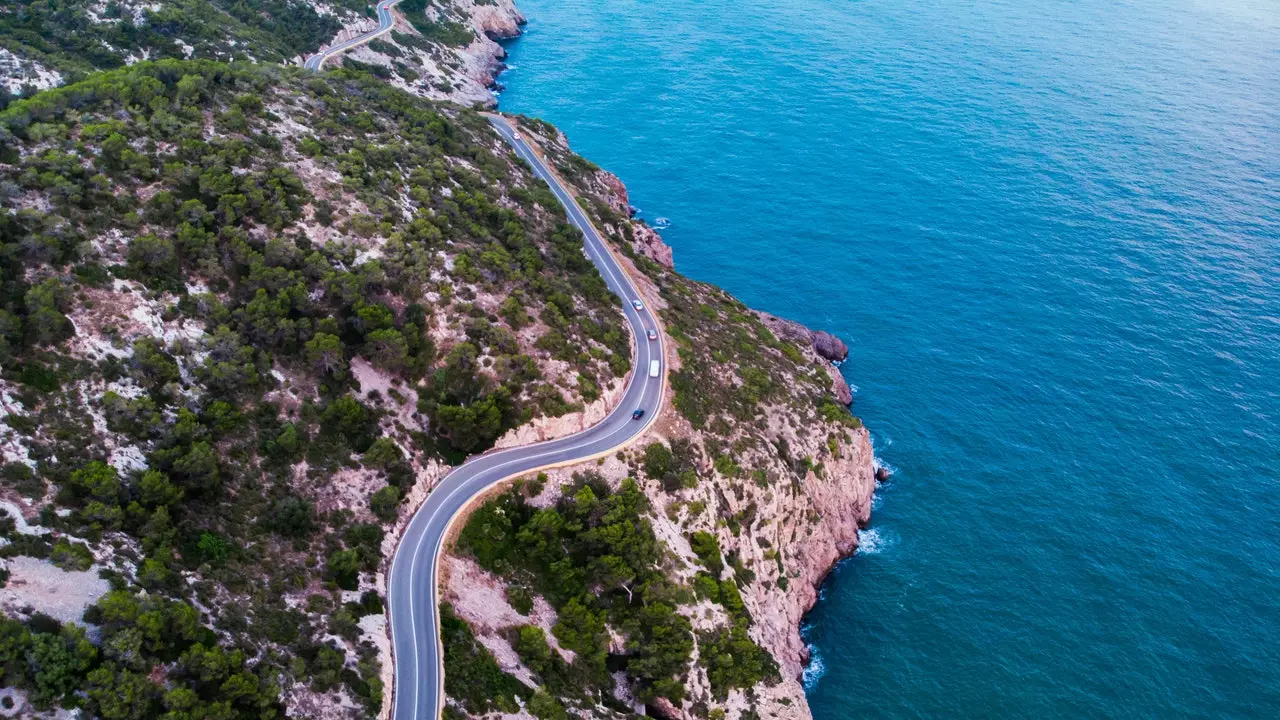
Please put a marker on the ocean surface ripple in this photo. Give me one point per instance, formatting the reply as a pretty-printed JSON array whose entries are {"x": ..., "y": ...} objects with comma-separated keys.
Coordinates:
[{"x": 1050, "y": 232}]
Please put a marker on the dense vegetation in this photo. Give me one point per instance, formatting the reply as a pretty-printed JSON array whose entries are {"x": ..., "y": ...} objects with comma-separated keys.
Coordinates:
[
  {"x": 58, "y": 665},
  {"x": 595, "y": 559},
  {"x": 195, "y": 255},
  {"x": 75, "y": 37}
]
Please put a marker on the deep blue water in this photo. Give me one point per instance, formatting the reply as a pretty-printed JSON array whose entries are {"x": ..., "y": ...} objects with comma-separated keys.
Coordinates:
[{"x": 1050, "y": 232}]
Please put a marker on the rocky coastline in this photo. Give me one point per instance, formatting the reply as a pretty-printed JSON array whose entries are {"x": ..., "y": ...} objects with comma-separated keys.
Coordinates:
[
  {"x": 847, "y": 505},
  {"x": 793, "y": 539}
]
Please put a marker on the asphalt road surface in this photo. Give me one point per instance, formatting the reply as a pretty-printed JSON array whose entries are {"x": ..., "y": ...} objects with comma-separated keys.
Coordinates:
[
  {"x": 385, "y": 22},
  {"x": 411, "y": 588}
]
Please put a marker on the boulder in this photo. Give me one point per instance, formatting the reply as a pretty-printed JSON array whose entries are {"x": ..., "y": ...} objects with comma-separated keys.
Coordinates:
[{"x": 829, "y": 346}]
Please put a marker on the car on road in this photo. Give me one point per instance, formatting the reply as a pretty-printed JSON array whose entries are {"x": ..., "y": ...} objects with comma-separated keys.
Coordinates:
[
  {"x": 654, "y": 367},
  {"x": 639, "y": 413},
  {"x": 653, "y": 334},
  {"x": 637, "y": 304}
]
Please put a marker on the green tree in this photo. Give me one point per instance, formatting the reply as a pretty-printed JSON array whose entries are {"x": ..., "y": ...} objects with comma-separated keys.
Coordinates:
[
  {"x": 292, "y": 517},
  {"x": 155, "y": 259},
  {"x": 658, "y": 460},
  {"x": 344, "y": 569},
  {"x": 152, "y": 367},
  {"x": 59, "y": 664},
  {"x": 122, "y": 695},
  {"x": 531, "y": 644},
  {"x": 345, "y": 417},
  {"x": 326, "y": 354},
  {"x": 157, "y": 490},
  {"x": 98, "y": 480},
  {"x": 470, "y": 427},
  {"x": 545, "y": 707},
  {"x": 387, "y": 349},
  {"x": 15, "y": 641},
  {"x": 707, "y": 548}
]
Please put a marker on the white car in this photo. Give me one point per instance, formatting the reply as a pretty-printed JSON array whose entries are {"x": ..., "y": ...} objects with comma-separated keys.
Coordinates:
[
  {"x": 637, "y": 304},
  {"x": 653, "y": 334}
]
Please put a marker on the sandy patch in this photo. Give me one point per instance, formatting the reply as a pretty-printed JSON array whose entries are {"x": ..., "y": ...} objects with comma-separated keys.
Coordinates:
[{"x": 38, "y": 585}]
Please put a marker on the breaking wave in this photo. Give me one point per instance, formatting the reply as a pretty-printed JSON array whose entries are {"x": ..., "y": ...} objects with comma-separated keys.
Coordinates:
[
  {"x": 872, "y": 542},
  {"x": 814, "y": 671}
]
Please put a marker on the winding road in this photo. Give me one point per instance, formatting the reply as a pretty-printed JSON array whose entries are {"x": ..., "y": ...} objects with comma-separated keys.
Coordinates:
[
  {"x": 411, "y": 586},
  {"x": 385, "y": 23}
]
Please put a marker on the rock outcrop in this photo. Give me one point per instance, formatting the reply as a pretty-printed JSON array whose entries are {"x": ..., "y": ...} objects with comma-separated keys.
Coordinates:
[
  {"x": 498, "y": 20},
  {"x": 646, "y": 241},
  {"x": 839, "y": 386},
  {"x": 651, "y": 245},
  {"x": 824, "y": 343},
  {"x": 616, "y": 191},
  {"x": 827, "y": 346}
]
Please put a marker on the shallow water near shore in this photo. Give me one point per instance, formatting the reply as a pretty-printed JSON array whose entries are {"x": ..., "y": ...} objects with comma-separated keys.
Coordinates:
[{"x": 1050, "y": 233}]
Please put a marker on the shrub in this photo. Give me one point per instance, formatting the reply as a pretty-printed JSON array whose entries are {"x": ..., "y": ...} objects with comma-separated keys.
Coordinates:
[
  {"x": 707, "y": 548},
  {"x": 71, "y": 556},
  {"x": 385, "y": 503}
]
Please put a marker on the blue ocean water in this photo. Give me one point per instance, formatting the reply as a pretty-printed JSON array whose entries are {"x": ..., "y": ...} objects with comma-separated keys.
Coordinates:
[{"x": 1050, "y": 232}]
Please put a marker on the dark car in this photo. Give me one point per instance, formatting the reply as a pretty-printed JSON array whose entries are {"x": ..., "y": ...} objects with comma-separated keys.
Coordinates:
[{"x": 639, "y": 413}]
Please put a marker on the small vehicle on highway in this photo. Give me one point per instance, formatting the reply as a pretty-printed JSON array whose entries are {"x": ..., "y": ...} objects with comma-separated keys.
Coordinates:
[
  {"x": 637, "y": 304},
  {"x": 653, "y": 334},
  {"x": 639, "y": 413},
  {"x": 654, "y": 367}
]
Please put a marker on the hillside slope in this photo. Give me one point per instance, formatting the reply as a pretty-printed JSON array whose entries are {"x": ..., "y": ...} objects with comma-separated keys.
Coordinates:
[{"x": 244, "y": 312}]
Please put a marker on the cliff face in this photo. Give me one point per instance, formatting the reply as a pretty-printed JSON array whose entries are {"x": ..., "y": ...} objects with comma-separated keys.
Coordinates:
[{"x": 764, "y": 458}]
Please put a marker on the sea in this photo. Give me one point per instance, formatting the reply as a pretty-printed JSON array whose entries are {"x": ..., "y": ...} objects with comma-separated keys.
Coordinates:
[{"x": 1049, "y": 231}]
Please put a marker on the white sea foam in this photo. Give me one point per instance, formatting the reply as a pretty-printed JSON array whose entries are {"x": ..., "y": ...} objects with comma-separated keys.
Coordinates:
[
  {"x": 873, "y": 542},
  {"x": 879, "y": 463},
  {"x": 814, "y": 671}
]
